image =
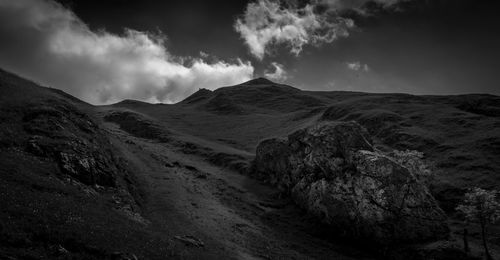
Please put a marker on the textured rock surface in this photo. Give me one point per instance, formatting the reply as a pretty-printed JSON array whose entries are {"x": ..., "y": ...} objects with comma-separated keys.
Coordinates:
[
  {"x": 332, "y": 170},
  {"x": 60, "y": 131}
]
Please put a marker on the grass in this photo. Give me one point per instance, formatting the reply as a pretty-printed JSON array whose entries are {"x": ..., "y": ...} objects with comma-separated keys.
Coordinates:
[{"x": 40, "y": 214}]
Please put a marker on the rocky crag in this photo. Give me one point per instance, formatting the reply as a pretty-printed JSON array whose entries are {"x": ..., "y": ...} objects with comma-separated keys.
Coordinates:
[{"x": 333, "y": 171}]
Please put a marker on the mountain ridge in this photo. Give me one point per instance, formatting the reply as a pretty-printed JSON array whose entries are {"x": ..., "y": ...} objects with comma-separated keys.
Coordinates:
[
  {"x": 445, "y": 128},
  {"x": 156, "y": 180},
  {"x": 261, "y": 82}
]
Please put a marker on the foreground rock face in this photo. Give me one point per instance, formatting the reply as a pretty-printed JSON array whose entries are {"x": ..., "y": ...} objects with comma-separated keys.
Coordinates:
[
  {"x": 59, "y": 131},
  {"x": 333, "y": 171}
]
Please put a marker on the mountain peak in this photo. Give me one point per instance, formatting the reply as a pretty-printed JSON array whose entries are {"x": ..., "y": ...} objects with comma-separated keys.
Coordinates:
[
  {"x": 130, "y": 102},
  {"x": 201, "y": 94},
  {"x": 259, "y": 81}
]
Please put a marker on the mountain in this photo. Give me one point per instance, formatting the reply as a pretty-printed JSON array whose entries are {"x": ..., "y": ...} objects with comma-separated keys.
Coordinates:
[
  {"x": 458, "y": 134},
  {"x": 155, "y": 181}
]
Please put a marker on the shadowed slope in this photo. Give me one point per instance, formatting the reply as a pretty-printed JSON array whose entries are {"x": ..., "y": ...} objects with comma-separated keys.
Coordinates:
[
  {"x": 459, "y": 134},
  {"x": 85, "y": 182},
  {"x": 151, "y": 179},
  {"x": 65, "y": 189}
]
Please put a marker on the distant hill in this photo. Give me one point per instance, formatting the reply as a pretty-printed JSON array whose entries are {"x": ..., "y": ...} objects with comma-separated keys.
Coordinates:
[{"x": 459, "y": 134}]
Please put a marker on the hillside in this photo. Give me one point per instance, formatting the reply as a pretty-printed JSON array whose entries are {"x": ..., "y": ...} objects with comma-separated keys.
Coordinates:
[
  {"x": 458, "y": 134},
  {"x": 65, "y": 190},
  {"x": 154, "y": 181},
  {"x": 85, "y": 182}
]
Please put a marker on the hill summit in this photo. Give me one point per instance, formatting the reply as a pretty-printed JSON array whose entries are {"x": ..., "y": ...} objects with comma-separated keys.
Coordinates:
[{"x": 258, "y": 81}]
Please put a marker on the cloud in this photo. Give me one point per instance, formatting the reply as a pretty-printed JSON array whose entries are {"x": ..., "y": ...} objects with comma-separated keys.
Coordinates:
[
  {"x": 357, "y": 66},
  {"x": 48, "y": 43},
  {"x": 266, "y": 23},
  {"x": 279, "y": 73}
]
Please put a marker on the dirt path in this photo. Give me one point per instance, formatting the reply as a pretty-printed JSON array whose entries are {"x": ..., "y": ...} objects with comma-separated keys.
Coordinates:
[{"x": 210, "y": 212}]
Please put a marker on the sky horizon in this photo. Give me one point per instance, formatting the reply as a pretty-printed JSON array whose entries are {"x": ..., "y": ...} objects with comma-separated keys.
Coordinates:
[{"x": 161, "y": 52}]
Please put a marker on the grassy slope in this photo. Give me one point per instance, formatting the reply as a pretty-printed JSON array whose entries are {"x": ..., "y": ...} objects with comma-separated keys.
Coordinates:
[
  {"x": 41, "y": 211},
  {"x": 170, "y": 177},
  {"x": 458, "y": 134},
  {"x": 44, "y": 210}
]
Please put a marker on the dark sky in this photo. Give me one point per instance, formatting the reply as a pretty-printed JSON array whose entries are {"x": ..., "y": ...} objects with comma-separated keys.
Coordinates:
[
  {"x": 191, "y": 26},
  {"x": 412, "y": 46}
]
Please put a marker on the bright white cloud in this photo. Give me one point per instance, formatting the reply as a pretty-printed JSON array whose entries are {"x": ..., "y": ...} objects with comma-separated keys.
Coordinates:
[
  {"x": 266, "y": 22},
  {"x": 47, "y": 43},
  {"x": 279, "y": 73},
  {"x": 358, "y": 66}
]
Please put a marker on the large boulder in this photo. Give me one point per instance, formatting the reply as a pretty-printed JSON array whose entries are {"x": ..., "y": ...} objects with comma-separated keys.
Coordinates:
[{"x": 333, "y": 171}]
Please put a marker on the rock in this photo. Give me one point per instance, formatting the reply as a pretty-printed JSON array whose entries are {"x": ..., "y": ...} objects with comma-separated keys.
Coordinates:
[
  {"x": 78, "y": 166},
  {"x": 190, "y": 167},
  {"x": 190, "y": 241},
  {"x": 59, "y": 131},
  {"x": 169, "y": 165},
  {"x": 201, "y": 175},
  {"x": 33, "y": 147},
  {"x": 438, "y": 250},
  {"x": 61, "y": 250},
  {"x": 6, "y": 257},
  {"x": 123, "y": 256},
  {"x": 88, "y": 167},
  {"x": 332, "y": 170}
]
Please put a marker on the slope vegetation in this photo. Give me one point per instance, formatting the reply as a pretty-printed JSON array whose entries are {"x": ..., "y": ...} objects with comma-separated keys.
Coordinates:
[
  {"x": 155, "y": 181},
  {"x": 458, "y": 134},
  {"x": 85, "y": 182}
]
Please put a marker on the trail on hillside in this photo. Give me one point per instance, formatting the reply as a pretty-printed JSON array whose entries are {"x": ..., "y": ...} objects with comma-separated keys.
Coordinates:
[{"x": 213, "y": 212}]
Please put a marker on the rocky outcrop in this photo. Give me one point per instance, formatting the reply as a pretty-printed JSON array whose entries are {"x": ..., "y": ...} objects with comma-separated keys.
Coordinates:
[
  {"x": 59, "y": 131},
  {"x": 332, "y": 170}
]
